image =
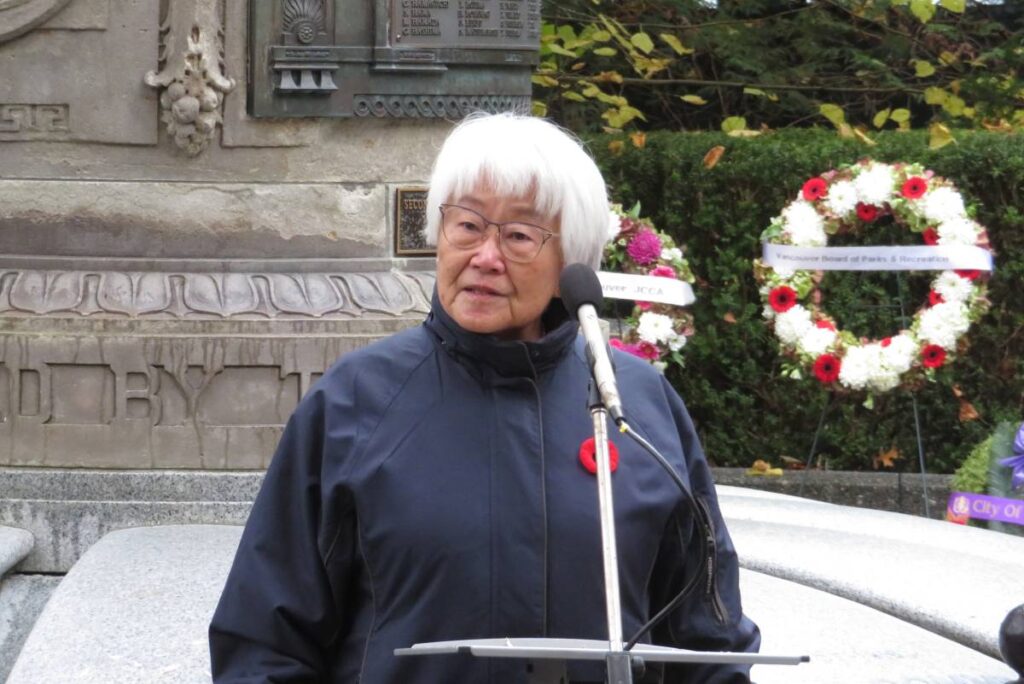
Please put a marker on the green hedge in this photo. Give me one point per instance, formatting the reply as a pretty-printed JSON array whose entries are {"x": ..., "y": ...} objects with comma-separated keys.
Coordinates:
[{"x": 743, "y": 407}]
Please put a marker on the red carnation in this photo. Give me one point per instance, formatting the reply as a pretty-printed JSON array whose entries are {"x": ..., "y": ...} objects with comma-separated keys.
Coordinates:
[
  {"x": 935, "y": 298},
  {"x": 969, "y": 275},
  {"x": 825, "y": 324},
  {"x": 663, "y": 272},
  {"x": 782, "y": 298},
  {"x": 886, "y": 342},
  {"x": 866, "y": 212},
  {"x": 933, "y": 356},
  {"x": 931, "y": 236},
  {"x": 644, "y": 306},
  {"x": 648, "y": 351},
  {"x": 826, "y": 368},
  {"x": 914, "y": 187},
  {"x": 815, "y": 189}
]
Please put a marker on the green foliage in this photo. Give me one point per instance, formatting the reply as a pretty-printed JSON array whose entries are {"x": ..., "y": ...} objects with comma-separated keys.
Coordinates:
[
  {"x": 972, "y": 475},
  {"x": 734, "y": 384},
  {"x": 688, "y": 64}
]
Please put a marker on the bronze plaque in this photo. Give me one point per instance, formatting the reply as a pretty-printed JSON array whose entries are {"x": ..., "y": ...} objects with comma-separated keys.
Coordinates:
[
  {"x": 391, "y": 58},
  {"x": 410, "y": 220}
]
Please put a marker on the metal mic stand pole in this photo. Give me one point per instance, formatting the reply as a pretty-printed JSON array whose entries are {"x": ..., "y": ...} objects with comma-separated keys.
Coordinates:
[{"x": 618, "y": 662}]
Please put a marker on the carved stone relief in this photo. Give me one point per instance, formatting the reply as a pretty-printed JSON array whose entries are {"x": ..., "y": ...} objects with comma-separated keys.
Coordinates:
[
  {"x": 191, "y": 75},
  {"x": 20, "y": 16},
  {"x": 213, "y": 295}
]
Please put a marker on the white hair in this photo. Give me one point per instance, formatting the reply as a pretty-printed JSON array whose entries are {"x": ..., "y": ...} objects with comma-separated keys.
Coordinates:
[{"x": 519, "y": 156}]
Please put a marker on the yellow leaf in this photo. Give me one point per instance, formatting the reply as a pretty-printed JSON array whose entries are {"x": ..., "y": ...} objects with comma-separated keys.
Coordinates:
[
  {"x": 923, "y": 69},
  {"x": 729, "y": 317},
  {"x": 924, "y": 10},
  {"x": 616, "y": 147},
  {"x": 734, "y": 123},
  {"x": 845, "y": 130},
  {"x": 577, "y": 66},
  {"x": 559, "y": 50},
  {"x": 639, "y": 139},
  {"x": 712, "y": 158},
  {"x": 539, "y": 108},
  {"x": 544, "y": 81},
  {"x": 947, "y": 57},
  {"x": 754, "y": 91},
  {"x": 939, "y": 136},
  {"x": 574, "y": 96},
  {"x": 693, "y": 99},
  {"x": 957, "y": 6},
  {"x": 606, "y": 51},
  {"x": 954, "y": 105},
  {"x": 900, "y": 115},
  {"x": 833, "y": 113},
  {"x": 863, "y": 137},
  {"x": 935, "y": 96},
  {"x": 601, "y": 36},
  {"x": 674, "y": 43},
  {"x": 642, "y": 42},
  {"x": 881, "y": 117}
]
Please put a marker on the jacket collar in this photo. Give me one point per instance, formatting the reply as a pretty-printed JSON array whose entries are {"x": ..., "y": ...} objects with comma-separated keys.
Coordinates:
[{"x": 509, "y": 358}]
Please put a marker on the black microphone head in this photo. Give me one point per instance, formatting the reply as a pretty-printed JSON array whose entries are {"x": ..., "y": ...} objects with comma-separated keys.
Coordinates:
[{"x": 579, "y": 285}]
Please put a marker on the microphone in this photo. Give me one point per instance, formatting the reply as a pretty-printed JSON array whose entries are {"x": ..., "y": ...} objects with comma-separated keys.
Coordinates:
[{"x": 581, "y": 294}]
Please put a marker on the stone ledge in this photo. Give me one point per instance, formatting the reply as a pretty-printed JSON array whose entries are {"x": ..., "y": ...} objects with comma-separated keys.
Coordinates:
[
  {"x": 884, "y": 491},
  {"x": 956, "y": 581}
]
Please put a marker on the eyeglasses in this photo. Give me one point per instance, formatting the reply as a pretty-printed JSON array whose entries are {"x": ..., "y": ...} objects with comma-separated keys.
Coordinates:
[{"x": 465, "y": 229}]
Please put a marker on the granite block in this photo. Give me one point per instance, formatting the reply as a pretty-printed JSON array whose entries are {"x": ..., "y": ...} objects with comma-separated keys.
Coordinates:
[{"x": 135, "y": 608}]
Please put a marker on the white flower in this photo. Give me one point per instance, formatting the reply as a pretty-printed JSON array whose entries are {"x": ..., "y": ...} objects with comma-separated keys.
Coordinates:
[
  {"x": 792, "y": 325},
  {"x": 883, "y": 380},
  {"x": 859, "y": 365},
  {"x": 654, "y": 327},
  {"x": 768, "y": 312},
  {"x": 804, "y": 225},
  {"x": 671, "y": 254},
  {"x": 899, "y": 355},
  {"x": 676, "y": 342},
  {"x": 816, "y": 340},
  {"x": 958, "y": 231},
  {"x": 660, "y": 366},
  {"x": 942, "y": 204},
  {"x": 943, "y": 323},
  {"x": 784, "y": 271},
  {"x": 952, "y": 287},
  {"x": 874, "y": 186},
  {"x": 614, "y": 225},
  {"x": 842, "y": 198}
]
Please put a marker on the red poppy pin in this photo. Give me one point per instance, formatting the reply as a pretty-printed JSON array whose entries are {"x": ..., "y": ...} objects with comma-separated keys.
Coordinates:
[{"x": 587, "y": 456}]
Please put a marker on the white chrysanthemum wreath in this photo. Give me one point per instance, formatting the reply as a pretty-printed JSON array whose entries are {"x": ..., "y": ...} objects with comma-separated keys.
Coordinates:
[{"x": 849, "y": 199}]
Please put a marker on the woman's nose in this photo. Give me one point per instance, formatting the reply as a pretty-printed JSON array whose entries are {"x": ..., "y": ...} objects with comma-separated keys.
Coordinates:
[{"x": 489, "y": 252}]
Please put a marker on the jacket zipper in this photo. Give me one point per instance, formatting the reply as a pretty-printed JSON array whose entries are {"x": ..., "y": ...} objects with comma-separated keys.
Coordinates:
[{"x": 543, "y": 484}]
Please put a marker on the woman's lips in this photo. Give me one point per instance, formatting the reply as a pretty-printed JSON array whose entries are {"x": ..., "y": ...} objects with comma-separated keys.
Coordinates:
[{"x": 482, "y": 292}]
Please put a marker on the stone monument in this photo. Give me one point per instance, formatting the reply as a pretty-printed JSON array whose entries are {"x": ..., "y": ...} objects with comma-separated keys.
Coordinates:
[{"x": 203, "y": 203}]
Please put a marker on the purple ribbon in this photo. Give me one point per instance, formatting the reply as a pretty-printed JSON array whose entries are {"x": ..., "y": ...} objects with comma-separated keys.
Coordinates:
[{"x": 982, "y": 507}]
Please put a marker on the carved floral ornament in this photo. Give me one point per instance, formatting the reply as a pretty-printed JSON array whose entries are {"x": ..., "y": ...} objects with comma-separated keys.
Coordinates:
[
  {"x": 21, "y": 16},
  {"x": 191, "y": 73}
]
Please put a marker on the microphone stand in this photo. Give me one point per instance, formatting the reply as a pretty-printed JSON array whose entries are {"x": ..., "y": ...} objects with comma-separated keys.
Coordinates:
[{"x": 619, "y": 663}]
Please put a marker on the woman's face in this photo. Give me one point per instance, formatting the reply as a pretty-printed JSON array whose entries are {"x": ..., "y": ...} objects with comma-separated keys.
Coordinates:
[{"x": 485, "y": 292}]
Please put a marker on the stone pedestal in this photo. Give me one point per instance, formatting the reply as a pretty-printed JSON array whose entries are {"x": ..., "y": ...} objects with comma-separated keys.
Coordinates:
[{"x": 174, "y": 274}]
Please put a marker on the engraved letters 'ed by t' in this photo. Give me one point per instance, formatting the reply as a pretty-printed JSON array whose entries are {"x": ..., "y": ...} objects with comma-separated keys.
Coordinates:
[{"x": 391, "y": 58}]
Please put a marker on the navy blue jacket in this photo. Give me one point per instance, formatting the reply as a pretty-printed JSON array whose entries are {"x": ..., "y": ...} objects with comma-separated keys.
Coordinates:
[{"x": 428, "y": 488}]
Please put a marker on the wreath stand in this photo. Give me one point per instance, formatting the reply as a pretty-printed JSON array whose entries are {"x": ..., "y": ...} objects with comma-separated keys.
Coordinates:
[{"x": 897, "y": 303}]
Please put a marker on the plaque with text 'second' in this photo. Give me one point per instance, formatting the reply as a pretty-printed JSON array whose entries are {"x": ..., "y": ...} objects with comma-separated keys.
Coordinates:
[{"x": 391, "y": 58}]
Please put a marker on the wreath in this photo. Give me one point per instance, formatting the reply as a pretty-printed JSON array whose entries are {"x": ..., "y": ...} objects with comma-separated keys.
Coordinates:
[
  {"x": 849, "y": 200},
  {"x": 654, "y": 332}
]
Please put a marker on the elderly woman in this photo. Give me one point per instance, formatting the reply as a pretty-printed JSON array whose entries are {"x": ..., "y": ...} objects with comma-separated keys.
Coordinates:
[{"x": 429, "y": 486}]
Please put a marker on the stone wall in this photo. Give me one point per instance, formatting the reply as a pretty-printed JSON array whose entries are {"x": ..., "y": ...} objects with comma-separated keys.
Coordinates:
[{"x": 174, "y": 273}]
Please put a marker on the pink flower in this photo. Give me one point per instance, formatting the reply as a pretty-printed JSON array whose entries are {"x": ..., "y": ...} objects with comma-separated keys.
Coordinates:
[
  {"x": 663, "y": 272},
  {"x": 645, "y": 247},
  {"x": 648, "y": 351},
  {"x": 626, "y": 347},
  {"x": 644, "y": 306}
]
